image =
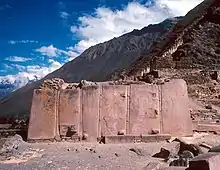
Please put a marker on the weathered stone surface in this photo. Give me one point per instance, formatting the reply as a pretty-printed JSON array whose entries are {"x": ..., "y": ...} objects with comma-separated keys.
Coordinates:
[
  {"x": 175, "y": 109},
  {"x": 84, "y": 83},
  {"x": 176, "y": 153},
  {"x": 44, "y": 117},
  {"x": 183, "y": 160},
  {"x": 168, "y": 151},
  {"x": 205, "y": 147},
  {"x": 155, "y": 138},
  {"x": 71, "y": 86},
  {"x": 184, "y": 146},
  {"x": 215, "y": 149},
  {"x": 155, "y": 165},
  {"x": 164, "y": 153},
  {"x": 10, "y": 144},
  {"x": 144, "y": 109},
  {"x": 136, "y": 139},
  {"x": 69, "y": 108},
  {"x": 208, "y": 161},
  {"x": 113, "y": 109},
  {"x": 139, "y": 152},
  {"x": 55, "y": 83},
  {"x": 208, "y": 128},
  {"x": 180, "y": 162},
  {"x": 90, "y": 112},
  {"x": 107, "y": 110}
]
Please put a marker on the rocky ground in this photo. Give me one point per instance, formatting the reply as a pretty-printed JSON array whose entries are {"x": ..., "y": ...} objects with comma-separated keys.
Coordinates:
[{"x": 17, "y": 154}]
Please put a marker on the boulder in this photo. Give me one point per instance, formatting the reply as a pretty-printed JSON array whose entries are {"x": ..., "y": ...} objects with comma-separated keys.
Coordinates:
[
  {"x": 86, "y": 83},
  {"x": 183, "y": 160},
  {"x": 168, "y": 151},
  {"x": 156, "y": 73},
  {"x": 55, "y": 83},
  {"x": 207, "y": 161},
  {"x": 215, "y": 149},
  {"x": 12, "y": 146},
  {"x": 184, "y": 146},
  {"x": 139, "y": 152},
  {"x": 148, "y": 78}
]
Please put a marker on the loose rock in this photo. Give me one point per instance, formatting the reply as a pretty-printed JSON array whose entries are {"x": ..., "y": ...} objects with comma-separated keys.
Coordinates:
[
  {"x": 139, "y": 152},
  {"x": 215, "y": 149}
]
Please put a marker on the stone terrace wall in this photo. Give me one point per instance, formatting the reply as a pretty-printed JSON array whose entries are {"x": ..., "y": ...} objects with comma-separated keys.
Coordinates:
[{"x": 104, "y": 110}]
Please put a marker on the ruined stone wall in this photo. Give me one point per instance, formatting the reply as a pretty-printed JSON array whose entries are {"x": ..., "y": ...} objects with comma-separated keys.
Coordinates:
[
  {"x": 109, "y": 110},
  {"x": 166, "y": 60}
]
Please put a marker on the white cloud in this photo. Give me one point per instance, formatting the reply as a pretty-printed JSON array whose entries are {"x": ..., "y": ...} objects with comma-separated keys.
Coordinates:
[
  {"x": 49, "y": 51},
  {"x": 30, "y": 73},
  {"x": 52, "y": 51},
  {"x": 64, "y": 15},
  {"x": 106, "y": 24},
  {"x": 7, "y": 67},
  {"x": 178, "y": 7},
  {"x": 19, "y": 67},
  {"x": 22, "y": 42},
  {"x": 17, "y": 59},
  {"x": 69, "y": 53}
]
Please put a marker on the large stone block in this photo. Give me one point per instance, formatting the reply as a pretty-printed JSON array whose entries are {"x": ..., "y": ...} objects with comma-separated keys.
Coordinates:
[
  {"x": 208, "y": 161},
  {"x": 175, "y": 109},
  {"x": 69, "y": 109},
  {"x": 144, "y": 111},
  {"x": 90, "y": 112},
  {"x": 43, "y": 120},
  {"x": 113, "y": 109}
]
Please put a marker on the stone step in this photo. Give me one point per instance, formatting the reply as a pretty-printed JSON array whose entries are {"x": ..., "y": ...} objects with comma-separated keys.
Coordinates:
[{"x": 136, "y": 139}]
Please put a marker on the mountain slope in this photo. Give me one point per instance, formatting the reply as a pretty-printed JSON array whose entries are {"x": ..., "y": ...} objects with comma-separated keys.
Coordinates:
[
  {"x": 96, "y": 63},
  {"x": 193, "y": 42},
  {"x": 6, "y": 89}
]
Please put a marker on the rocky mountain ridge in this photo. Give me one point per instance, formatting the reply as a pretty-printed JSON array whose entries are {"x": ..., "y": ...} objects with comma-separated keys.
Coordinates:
[
  {"x": 192, "y": 43},
  {"x": 94, "y": 64}
]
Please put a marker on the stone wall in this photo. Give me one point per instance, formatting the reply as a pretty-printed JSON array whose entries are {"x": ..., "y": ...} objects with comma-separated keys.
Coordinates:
[
  {"x": 43, "y": 119},
  {"x": 108, "y": 110}
]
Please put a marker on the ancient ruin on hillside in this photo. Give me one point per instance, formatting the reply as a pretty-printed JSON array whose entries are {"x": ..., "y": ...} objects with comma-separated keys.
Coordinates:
[{"x": 109, "y": 111}]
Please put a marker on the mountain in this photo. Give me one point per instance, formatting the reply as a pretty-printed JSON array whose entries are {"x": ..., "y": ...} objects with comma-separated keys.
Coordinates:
[
  {"x": 95, "y": 64},
  {"x": 7, "y": 86},
  {"x": 6, "y": 89},
  {"x": 193, "y": 43}
]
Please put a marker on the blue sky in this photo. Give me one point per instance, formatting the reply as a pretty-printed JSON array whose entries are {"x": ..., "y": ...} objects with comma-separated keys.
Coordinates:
[{"x": 39, "y": 36}]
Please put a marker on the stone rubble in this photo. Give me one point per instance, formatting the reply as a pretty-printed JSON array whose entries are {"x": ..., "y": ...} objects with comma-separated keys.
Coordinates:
[
  {"x": 55, "y": 83},
  {"x": 15, "y": 148}
]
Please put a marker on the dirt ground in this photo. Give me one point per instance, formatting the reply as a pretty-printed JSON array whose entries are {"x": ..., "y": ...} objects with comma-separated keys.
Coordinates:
[
  {"x": 81, "y": 156},
  {"x": 67, "y": 155}
]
